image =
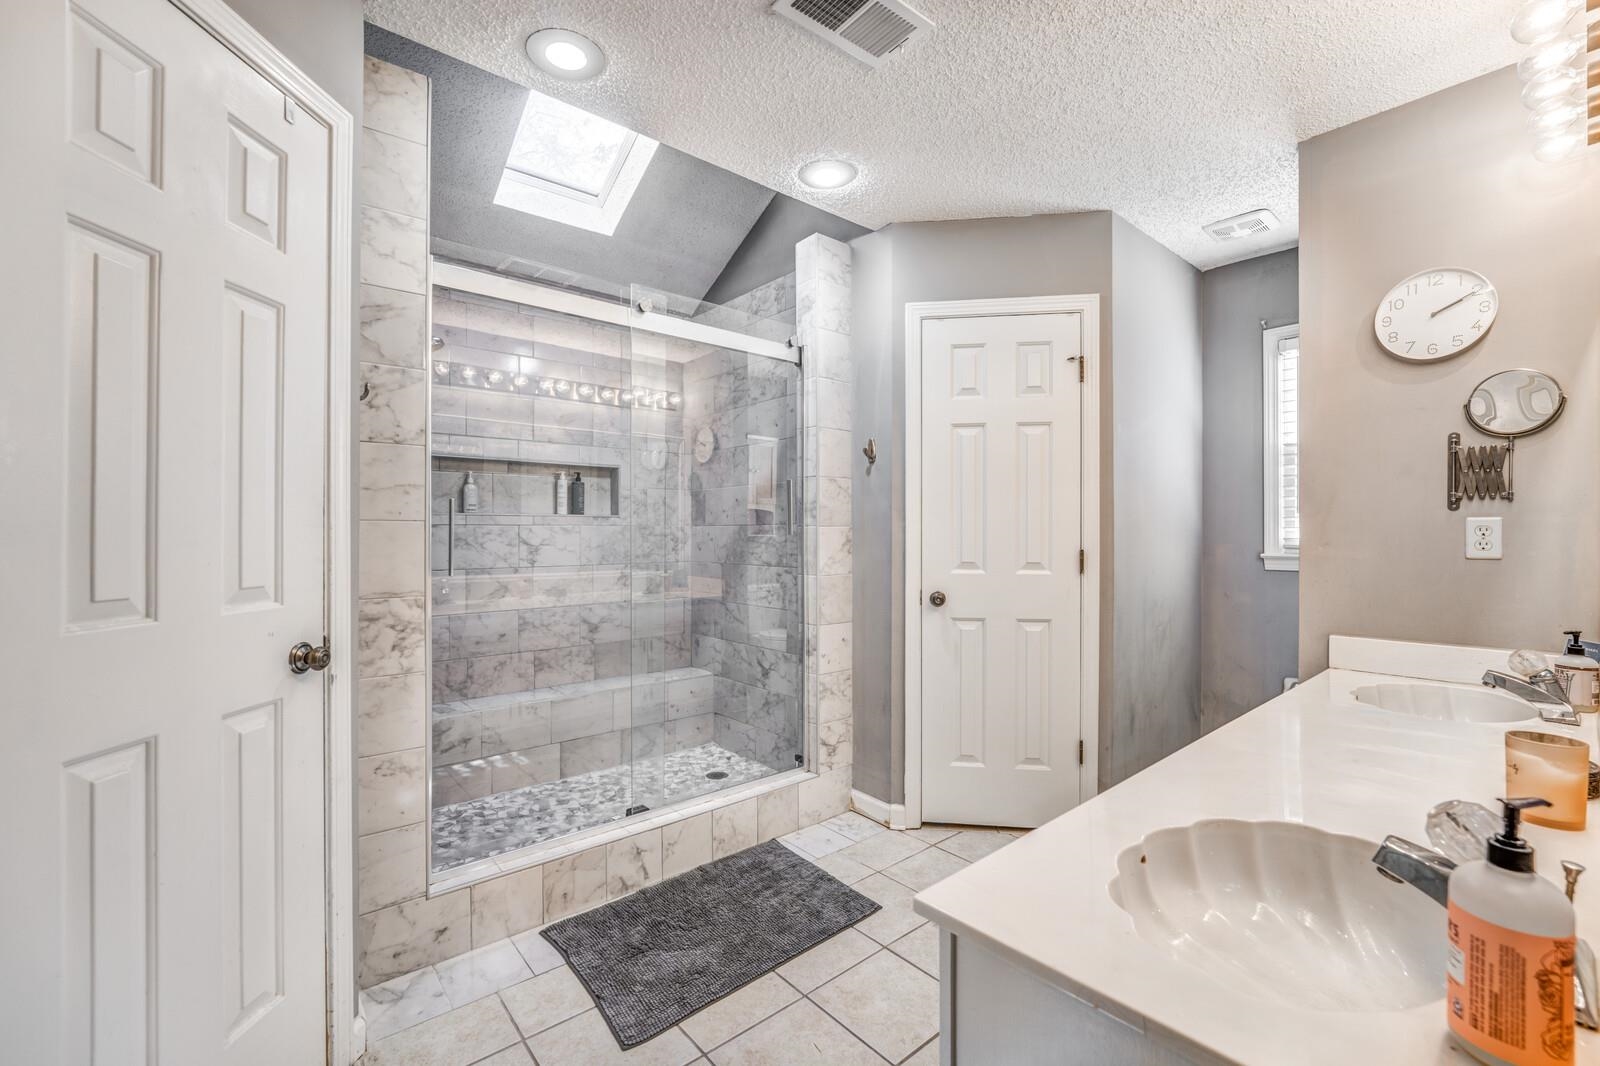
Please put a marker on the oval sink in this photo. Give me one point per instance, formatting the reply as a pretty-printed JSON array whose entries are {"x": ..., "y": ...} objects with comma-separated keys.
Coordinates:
[
  {"x": 1444, "y": 703},
  {"x": 1288, "y": 913}
]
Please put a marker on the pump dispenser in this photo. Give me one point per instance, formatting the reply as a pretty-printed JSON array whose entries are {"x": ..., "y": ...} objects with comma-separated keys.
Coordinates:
[
  {"x": 1512, "y": 939},
  {"x": 1579, "y": 674}
]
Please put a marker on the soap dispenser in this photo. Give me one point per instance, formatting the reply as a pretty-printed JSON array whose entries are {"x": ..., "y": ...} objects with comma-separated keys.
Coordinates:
[
  {"x": 1579, "y": 674},
  {"x": 469, "y": 495},
  {"x": 575, "y": 493},
  {"x": 1509, "y": 994}
]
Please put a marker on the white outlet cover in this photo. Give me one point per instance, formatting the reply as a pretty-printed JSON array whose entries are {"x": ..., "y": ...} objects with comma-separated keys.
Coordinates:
[{"x": 1483, "y": 538}]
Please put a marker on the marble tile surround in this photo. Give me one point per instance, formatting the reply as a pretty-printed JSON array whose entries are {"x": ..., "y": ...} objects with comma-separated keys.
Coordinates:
[{"x": 401, "y": 930}]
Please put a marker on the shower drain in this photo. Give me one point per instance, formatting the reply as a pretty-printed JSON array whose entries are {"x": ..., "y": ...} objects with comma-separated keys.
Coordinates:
[{"x": 716, "y": 775}]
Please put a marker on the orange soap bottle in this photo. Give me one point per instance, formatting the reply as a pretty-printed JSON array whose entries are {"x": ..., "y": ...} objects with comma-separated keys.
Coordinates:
[{"x": 1512, "y": 938}]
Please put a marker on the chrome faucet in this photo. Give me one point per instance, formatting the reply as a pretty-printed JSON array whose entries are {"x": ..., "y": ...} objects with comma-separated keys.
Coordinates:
[
  {"x": 1542, "y": 689},
  {"x": 1422, "y": 868}
]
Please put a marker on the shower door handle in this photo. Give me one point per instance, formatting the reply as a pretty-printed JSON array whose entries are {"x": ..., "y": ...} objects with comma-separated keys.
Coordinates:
[{"x": 788, "y": 488}]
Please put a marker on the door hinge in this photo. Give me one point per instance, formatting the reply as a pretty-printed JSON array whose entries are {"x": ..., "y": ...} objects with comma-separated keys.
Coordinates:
[
  {"x": 1082, "y": 361},
  {"x": 1083, "y": 562},
  {"x": 1080, "y": 753}
]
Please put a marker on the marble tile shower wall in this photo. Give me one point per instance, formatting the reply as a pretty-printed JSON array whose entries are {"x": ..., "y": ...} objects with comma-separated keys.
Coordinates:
[
  {"x": 401, "y": 927},
  {"x": 544, "y": 624}
]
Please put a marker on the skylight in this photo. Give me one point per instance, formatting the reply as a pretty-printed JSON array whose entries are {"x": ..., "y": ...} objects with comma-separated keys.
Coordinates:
[{"x": 572, "y": 167}]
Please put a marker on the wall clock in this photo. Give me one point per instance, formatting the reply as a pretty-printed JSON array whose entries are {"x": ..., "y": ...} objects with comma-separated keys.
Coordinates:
[{"x": 1435, "y": 314}]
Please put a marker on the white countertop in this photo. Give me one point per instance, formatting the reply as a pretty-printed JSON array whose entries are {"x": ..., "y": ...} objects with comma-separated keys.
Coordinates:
[{"x": 1312, "y": 755}]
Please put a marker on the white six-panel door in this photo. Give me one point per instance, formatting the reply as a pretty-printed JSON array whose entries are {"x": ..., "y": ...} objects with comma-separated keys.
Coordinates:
[
  {"x": 163, "y": 433},
  {"x": 1000, "y": 517}
]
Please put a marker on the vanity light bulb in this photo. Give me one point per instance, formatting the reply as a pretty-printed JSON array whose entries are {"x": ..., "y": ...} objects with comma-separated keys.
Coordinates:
[
  {"x": 608, "y": 395},
  {"x": 1559, "y": 147},
  {"x": 441, "y": 368},
  {"x": 563, "y": 387},
  {"x": 674, "y": 400},
  {"x": 1553, "y": 54},
  {"x": 1554, "y": 119},
  {"x": 546, "y": 385},
  {"x": 520, "y": 380},
  {"x": 1552, "y": 86},
  {"x": 495, "y": 377},
  {"x": 469, "y": 373},
  {"x": 1540, "y": 20},
  {"x": 586, "y": 391},
  {"x": 627, "y": 397}
]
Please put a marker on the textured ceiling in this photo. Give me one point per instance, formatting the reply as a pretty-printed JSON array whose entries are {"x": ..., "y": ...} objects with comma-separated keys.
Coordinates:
[{"x": 1171, "y": 114}]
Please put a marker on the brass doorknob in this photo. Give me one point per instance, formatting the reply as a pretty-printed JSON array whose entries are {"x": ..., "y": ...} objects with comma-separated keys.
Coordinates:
[
  {"x": 936, "y": 598},
  {"x": 304, "y": 656}
]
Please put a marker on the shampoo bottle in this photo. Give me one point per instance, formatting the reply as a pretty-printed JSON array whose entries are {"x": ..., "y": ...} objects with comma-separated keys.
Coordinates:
[
  {"x": 575, "y": 494},
  {"x": 469, "y": 495},
  {"x": 561, "y": 492},
  {"x": 1510, "y": 961},
  {"x": 1579, "y": 674}
]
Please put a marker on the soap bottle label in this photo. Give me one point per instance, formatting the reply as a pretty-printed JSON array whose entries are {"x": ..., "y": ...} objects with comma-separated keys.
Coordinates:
[
  {"x": 1581, "y": 686},
  {"x": 1509, "y": 993}
]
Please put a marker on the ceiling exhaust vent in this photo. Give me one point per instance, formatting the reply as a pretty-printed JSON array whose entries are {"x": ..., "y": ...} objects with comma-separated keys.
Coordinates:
[
  {"x": 866, "y": 29},
  {"x": 1248, "y": 224}
]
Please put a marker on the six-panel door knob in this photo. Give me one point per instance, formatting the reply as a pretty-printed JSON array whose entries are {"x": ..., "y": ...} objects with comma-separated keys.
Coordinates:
[
  {"x": 936, "y": 598},
  {"x": 306, "y": 656}
]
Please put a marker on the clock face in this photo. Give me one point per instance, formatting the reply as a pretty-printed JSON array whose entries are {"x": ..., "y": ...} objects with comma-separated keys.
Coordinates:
[{"x": 1435, "y": 314}]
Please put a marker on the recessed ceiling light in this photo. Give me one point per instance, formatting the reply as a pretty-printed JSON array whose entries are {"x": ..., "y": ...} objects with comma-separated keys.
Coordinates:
[
  {"x": 565, "y": 54},
  {"x": 827, "y": 174}
]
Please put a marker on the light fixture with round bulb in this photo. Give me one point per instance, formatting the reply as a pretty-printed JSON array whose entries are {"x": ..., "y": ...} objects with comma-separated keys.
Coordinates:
[
  {"x": 565, "y": 54},
  {"x": 1539, "y": 20},
  {"x": 674, "y": 400},
  {"x": 1552, "y": 86},
  {"x": 586, "y": 390},
  {"x": 1557, "y": 117},
  {"x": 468, "y": 373},
  {"x": 626, "y": 397},
  {"x": 1549, "y": 55},
  {"x": 563, "y": 387},
  {"x": 1560, "y": 145},
  {"x": 608, "y": 395},
  {"x": 827, "y": 174},
  {"x": 495, "y": 377},
  {"x": 441, "y": 368}
]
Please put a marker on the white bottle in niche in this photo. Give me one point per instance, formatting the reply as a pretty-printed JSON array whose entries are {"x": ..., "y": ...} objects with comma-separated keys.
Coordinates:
[
  {"x": 561, "y": 492},
  {"x": 469, "y": 495}
]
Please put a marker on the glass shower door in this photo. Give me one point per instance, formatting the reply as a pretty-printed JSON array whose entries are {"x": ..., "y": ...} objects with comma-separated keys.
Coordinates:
[{"x": 717, "y": 537}]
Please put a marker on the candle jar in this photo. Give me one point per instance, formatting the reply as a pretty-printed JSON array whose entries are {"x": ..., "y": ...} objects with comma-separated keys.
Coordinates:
[{"x": 1554, "y": 768}]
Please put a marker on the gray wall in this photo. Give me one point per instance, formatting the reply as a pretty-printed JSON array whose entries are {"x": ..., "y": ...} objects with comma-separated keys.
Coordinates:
[
  {"x": 1150, "y": 666},
  {"x": 1449, "y": 179},
  {"x": 903, "y": 263},
  {"x": 767, "y": 252},
  {"x": 1248, "y": 614},
  {"x": 321, "y": 37}
]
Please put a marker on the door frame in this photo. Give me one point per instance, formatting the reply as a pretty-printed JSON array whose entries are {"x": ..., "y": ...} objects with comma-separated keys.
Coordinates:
[
  {"x": 238, "y": 36},
  {"x": 1088, "y": 306}
]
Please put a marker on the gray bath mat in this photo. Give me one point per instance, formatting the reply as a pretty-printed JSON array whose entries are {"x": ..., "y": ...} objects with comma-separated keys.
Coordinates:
[{"x": 653, "y": 958}]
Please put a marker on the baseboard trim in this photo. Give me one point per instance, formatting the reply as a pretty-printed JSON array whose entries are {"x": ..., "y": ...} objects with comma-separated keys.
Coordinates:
[{"x": 892, "y": 815}]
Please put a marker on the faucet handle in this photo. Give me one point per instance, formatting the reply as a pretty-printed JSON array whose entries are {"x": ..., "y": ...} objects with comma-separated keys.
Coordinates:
[{"x": 1573, "y": 870}]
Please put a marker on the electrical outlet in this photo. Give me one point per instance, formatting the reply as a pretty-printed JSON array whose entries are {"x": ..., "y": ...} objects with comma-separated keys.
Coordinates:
[{"x": 1483, "y": 538}]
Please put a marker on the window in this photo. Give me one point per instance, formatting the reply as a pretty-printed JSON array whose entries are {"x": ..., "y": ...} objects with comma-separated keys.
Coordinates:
[
  {"x": 572, "y": 167},
  {"x": 1280, "y": 351}
]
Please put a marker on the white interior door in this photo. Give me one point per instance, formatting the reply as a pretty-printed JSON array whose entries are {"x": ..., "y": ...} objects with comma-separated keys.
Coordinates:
[
  {"x": 163, "y": 427},
  {"x": 1001, "y": 487}
]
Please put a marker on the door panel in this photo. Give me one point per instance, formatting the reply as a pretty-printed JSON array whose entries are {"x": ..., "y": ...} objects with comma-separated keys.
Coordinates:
[
  {"x": 167, "y": 431},
  {"x": 1000, "y": 538}
]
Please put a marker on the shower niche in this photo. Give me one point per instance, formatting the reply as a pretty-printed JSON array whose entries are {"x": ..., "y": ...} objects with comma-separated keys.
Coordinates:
[{"x": 590, "y": 667}]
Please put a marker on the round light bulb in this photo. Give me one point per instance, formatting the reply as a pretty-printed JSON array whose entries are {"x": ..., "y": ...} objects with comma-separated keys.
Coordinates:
[
  {"x": 627, "y": 397},
  {"x": 586, "y": 391},
  {"x": 1541, "y": 19},
  {"x": 608, "y": 395},
  {"x": 563, "y": 387},
  {"x": 566, "y": 55},
  {"x": 1551, "y": 55},
  {"x": 468, "y": 373},
  {"x": 827, "y": 174},
  {"x": 441, "y": 368},
  {"x": 1559, "y": 146},
  {"x": 674, "y": 400},
  {"x": 495, "y": 377},
  {"x": 520, "y": 381},
  {"x": 1552, "y": 86},
  {"x": 1556, "y": 118}
]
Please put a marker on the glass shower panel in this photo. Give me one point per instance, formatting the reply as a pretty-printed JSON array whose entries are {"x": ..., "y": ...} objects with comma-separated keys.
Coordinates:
[{"x": 717, "y": 697}]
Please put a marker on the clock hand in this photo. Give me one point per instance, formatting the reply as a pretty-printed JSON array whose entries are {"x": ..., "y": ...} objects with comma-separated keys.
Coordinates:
[{"x": 1458, "y": 299}]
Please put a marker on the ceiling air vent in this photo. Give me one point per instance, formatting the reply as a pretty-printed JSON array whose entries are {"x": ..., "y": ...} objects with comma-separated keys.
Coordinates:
[
  {"x": 866, "y": 29},
  {"x": 1248, "y": 224}
]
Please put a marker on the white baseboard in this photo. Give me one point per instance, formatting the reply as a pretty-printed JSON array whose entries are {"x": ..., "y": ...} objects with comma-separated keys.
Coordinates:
[{"x": 892, "y": 815}]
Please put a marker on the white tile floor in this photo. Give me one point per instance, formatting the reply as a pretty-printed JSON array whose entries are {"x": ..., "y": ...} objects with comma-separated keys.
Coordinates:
[{"x": 869, "y": 995}]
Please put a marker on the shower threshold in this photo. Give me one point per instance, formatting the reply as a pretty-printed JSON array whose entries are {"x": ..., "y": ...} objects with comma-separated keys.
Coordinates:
[{"x": 484, "y": 828}]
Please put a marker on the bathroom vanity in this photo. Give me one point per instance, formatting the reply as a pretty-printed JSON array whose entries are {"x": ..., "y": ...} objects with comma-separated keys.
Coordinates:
[{"x": 1151, "y": 925}]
